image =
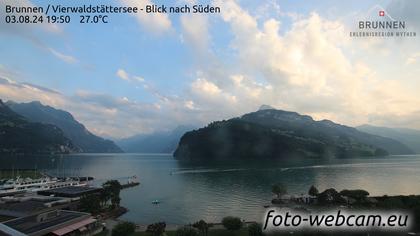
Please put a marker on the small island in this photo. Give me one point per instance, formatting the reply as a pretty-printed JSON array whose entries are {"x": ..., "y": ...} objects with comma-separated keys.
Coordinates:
[{"x": 351, "y": 199}]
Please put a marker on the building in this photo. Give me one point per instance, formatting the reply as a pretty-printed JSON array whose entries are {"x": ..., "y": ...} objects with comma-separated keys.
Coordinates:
[
  {"x": 20, "y": 207},
  {"x": 7, "y": 231},
  {"x": 54, "y": 223},
  {"x": 300, "y": 199}
]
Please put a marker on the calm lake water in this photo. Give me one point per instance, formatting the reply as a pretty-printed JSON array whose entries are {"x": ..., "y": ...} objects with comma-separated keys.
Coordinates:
[{"x": 210, "y": 192}]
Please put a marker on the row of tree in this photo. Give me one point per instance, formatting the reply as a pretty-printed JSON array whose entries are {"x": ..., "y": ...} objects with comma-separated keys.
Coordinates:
[
  {"x": 198, "y": 228},
  {"x": 281, "y": 190},
  {"x": 108, "y": 198},
  {"x": 328, "y": 196}
]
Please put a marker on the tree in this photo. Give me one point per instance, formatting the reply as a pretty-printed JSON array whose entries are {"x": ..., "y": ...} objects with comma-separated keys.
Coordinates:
[
  {"x": 391, "y": 203},
  {"x": 103, "y": 198},
  {"x": 123, "y": 229},
  {"x": 330, "y": 196},
  {"x": 90, "y": 203},
  {"x": 111, "y": 191},
  {"x": 279, "y": 189},
  {"x": 115, "y": 201},
  {"x": 232, "y": 223},
  {"x": 255, "y": 229},
  {"x": 202, "y": 226},
  {"x": 186, "y": 231},
  {"x": 313, "y": 191},
  {"x": 156, "y": 229}
]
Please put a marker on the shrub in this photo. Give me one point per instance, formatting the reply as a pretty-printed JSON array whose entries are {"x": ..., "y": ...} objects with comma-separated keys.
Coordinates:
[
  {"x": 279, "y": 189},
  {"x": 232, "y": 223},
  {"x": 123, "y": 229},
  {"x": 313, "y": 191},
  {"x": 90, "y": 203},
  {"x": 156, "y": 229},
  {"x": 202, "y": 226},
  {"x": 255, "y": 229}
]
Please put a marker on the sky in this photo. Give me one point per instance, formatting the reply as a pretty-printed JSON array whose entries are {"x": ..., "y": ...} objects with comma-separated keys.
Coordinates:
[{"x": 143, "y": 73}]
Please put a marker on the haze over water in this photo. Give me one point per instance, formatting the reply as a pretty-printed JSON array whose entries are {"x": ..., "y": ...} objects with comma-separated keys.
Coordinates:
[{"x": 209, "y": 191}]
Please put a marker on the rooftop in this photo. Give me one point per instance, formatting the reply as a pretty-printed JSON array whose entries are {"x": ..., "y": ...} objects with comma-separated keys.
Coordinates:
[
  {"x": 71, "y": 191},
  {"x": 48, "y": 221},
  {"x": 21, "y": 208}
]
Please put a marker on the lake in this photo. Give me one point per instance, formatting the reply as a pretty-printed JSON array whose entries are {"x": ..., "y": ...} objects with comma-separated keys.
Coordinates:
[{"x": 191, "y": 192}]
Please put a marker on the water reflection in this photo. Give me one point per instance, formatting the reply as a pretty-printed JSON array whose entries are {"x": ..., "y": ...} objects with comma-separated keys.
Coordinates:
[{"x": 210, "y": 191}]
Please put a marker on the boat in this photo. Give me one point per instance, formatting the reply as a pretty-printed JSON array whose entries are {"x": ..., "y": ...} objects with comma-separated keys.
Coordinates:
[
  {"x": 22, "y": 185},
  {"x": 155, "y": 202}
]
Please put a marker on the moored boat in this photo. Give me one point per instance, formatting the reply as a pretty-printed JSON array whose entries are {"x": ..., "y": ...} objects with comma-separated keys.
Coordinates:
[{"x": 22, "y": 185}]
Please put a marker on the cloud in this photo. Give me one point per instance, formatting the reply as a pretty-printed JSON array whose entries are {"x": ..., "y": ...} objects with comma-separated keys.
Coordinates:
[
  {"x": 104, "y": 114},
  {"x": 195, "y": 31},
  {"x": 121, "y": 117},
  {"x": 206, "y": 87},
  {"x": 158, "y": 23},
  {"x": 63, "y": 57},
  {"x": 412, "y": 58},
  {"x": 26, "y": 92},
  {"x": 312, "y": 68},
  {"x": 138, "y": 78},
  {"x": 122, "y": 74},
  {"x": 406, "y": 11},
  {"x": 189, "y": 104},
  {"x": 269, "y": 9}
]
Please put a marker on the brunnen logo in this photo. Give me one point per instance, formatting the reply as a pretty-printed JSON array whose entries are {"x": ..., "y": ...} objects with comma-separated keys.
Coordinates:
[{"x": 384, "y": 25}]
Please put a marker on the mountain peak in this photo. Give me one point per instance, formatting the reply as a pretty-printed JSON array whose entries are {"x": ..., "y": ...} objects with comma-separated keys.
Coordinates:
[
  {"x": 74, "y": 130},
  {"x": 45, "y": 138},
  {"x": 266, "y": 107},
  {"x": 270, "y": 133},
  {"x": 37, "y": 103}
]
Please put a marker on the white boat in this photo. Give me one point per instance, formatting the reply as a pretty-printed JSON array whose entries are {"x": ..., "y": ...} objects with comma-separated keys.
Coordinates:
[{"x": 21, "y": 185}]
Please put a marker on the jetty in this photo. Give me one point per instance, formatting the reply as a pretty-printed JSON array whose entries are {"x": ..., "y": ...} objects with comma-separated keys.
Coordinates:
[{"x": 132, "y": 181}]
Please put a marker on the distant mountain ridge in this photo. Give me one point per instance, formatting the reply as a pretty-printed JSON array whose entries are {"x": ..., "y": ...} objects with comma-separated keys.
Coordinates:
[
  {"x": 75, "y": 131},
  {"x": 270, "y": 133},
  {"x": 20, "y": 136},
  {"x": 160, "y": 142},
  {"x": 409, "y": 137},
  {"x": 323, "y": 129}
]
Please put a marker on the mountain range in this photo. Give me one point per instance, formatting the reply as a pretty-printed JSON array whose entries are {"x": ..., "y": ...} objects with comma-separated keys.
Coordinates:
[
  {"x": 159, "y": 142},
  {"x": 76, "y": 132},
  {"x": 269, "y": 133},
  {"x": 20, "y": 136},
  {"x": 409, "y": 137}
]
